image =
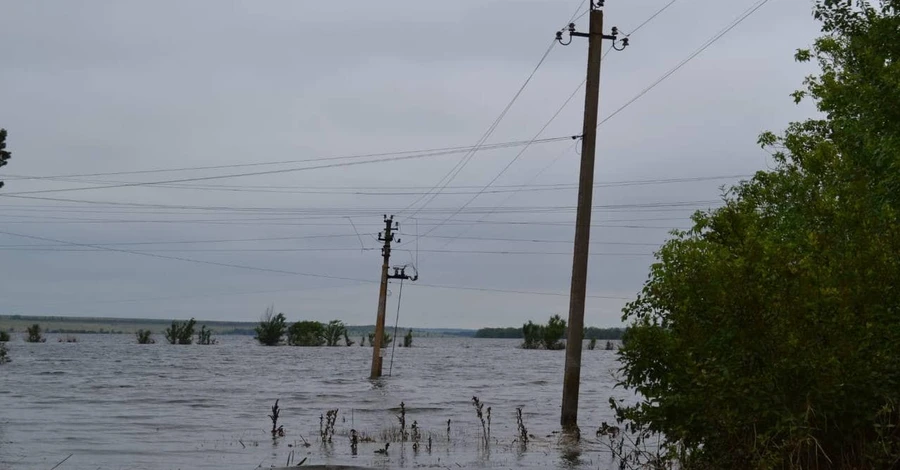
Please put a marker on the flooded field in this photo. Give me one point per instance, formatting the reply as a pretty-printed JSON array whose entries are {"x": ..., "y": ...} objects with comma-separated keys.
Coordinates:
[{"x": 114, "y": 404}]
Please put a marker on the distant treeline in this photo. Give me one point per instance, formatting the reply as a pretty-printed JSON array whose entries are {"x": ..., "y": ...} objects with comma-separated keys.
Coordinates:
[{"x": 511, "y": 332}]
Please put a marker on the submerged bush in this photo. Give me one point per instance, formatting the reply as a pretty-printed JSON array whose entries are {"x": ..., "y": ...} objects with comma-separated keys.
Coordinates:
[
  {"x": 547, "y": 336},
  {"x": 271, "y": 328},
  {"x": 204, "y": 337},
  {"x": 143, "y": 337},
  {"x": 4, "y": 355},
  {"x": 385, "y": 340},
  {"x": 34, "y": 334},
  {"x": 181, "y": 332},
  {"x": 4, "y": 336},
  {"x": 333, "y": 332},
  {"x": 306, "y": 333},
  {"x": 408, "y": 339}
]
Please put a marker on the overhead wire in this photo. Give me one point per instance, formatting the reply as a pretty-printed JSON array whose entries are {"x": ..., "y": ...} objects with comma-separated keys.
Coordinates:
[
  {"x": 280, "y": 271},
  {"x": 454, "y": 172},
  {"x": 709, "y": 42},
  {"x": 257, "y": 173}
]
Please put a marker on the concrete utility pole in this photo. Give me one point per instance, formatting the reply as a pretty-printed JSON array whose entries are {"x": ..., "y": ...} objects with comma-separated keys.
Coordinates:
[
  {"x": 572, "y": 378},
  {"x": 387, "y": 237},
  {"x": 399, "y": 273}
]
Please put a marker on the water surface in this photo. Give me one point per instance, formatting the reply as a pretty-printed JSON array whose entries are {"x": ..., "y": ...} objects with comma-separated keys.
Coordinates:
[{"x": 115, "y": 404}]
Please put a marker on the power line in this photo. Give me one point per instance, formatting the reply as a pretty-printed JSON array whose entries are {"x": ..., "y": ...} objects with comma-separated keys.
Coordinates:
[
  {"x": 709, "y": 42},
  {"x": 454, "y": 172},
  {"x": 414, "y": 190},
  {"x": 316, "y": 250},
  {"x": 279, "y": 271},
  {"x": 428, "y": 152},
  {"x": 257, "y": 173}
]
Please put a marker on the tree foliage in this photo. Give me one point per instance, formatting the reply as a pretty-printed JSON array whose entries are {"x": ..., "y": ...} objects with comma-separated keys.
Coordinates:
[
  {"x": 5, "y": 155},
  {"x": 333, "y": 332},
  {"x": 144, "y": 337},
  {"x": 306, "y": 333},
  {"x": 204, "y": 337},
  {"x": 271, "y": 328},
  {"x": 768, "y": 335},
  {"x": 181, "y": 332},
  {"x": 385, "y": 340},
  {"x": 547, "y": 336},
  {"x": 4, "y": 336},
  {"x": 33, "y": 334}
]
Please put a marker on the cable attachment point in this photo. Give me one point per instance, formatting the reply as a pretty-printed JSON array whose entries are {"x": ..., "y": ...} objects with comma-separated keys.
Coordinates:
[{"x": 559, "y": 34}]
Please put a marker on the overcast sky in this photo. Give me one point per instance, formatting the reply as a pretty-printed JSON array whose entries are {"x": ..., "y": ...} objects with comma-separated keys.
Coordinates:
[{"x": 122, "y": 86}]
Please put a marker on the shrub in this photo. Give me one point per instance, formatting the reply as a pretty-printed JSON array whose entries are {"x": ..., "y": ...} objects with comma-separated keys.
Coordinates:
[
  {"x": 4, "y": 355},
  {"x": 592, "y": 344},
  {"x": 143, "y": 337},
  {"x": 544, "y": 336},
  {"x": 532, "y": 334},
  {"x": 553, "y": 333},
  {"x": 333, "y": 332},
  {"x": 181, "y": 332},
  {"x": 4, "y": 336},
  {"x": 768, "y": 334},
  {"x": 407, "y": 340},
  {"x": 385, "y": 340},
  {"x": 34, "y": 334},
  {"x": 306, "y": 333},
  {"x": 271, "y": 328},
  {"x": 204, "y": 337}
]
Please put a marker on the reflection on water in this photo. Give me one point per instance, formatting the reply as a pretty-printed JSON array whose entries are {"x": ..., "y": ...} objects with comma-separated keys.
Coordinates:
[{"x": 115, "y": 404}]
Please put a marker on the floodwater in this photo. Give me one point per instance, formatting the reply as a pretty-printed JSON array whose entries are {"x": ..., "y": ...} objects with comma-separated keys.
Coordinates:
[{"x": 114, "y": 404}]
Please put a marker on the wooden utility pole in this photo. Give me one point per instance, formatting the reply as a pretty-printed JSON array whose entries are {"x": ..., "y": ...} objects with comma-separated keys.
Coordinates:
[
  {"x": 572, "y": 378},
  {"x": 387, "y": 237}
]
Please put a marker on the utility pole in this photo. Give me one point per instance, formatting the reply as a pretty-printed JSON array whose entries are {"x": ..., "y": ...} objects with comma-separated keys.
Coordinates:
[
  {"x": 572, "y": 378},
  {"x": 399, "y": 273}
]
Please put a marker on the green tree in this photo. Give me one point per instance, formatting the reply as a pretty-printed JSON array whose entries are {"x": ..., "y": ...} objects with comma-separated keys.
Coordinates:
[
  {"x": 181, "y": 332},
  {"x": 333, "y": 332},
  {"x": 553, "y": 333},
  {"x": 532, "y": 333},
  {"x": 5, "y": 155},
  {"x": 306, "y": 333},
  {"x": 768, "y": 335},
  {"x": 34, "y": 334},
  {"x": 271, "y": 328}
]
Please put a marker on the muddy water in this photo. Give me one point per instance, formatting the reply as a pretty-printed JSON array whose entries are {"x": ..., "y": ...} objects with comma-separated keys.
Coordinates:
[{"x": 114, "y": 404}]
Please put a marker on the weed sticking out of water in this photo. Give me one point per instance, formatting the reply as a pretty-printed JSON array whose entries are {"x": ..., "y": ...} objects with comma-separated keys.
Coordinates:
[
  {"x": 327, "y": 430},
  {"x": 143, "y": 337},
  {"x": 593, "y": 344},
  {"x": 384, "y": 450},
  {"x": 67, "y": 339},
  {"x": 479, "y": 407},
  {"x": 609, "y": 346},
  {"x": 347, "y": 340},
  {"x": 277, "y": 431},
  {"x": 448, "y": 430},
  {"x": 523, "y": 432},
  {"x": 428, "y": 446},
  {"x": 402, "y": 418},
  {"x": 4, "y": 355},
  {"x": 4, "y": 336}
]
